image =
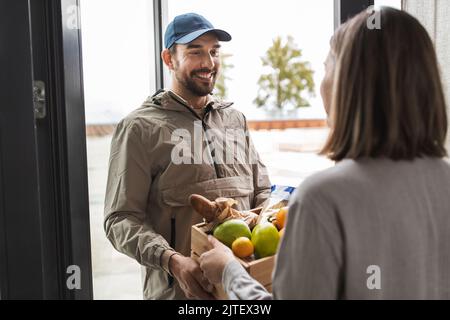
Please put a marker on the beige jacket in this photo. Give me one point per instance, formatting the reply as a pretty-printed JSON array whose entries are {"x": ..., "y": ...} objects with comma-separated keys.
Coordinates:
[{"x": 146, "y": 206}]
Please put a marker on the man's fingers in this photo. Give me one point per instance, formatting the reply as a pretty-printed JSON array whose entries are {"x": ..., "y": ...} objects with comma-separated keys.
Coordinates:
[
  {"x": 197, "y": 290},
  {"x": 186, "y": 291},
  {"x": 204, "y": 283}
]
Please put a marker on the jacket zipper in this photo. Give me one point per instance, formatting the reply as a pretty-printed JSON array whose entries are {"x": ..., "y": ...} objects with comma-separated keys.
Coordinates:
[
  {"x": 205, "y": 130},
  {"x": 173, "y": 240}
]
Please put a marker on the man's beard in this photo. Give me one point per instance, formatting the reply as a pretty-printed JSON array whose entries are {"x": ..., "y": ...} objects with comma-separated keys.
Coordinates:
[{"x": 197, "y": 90}]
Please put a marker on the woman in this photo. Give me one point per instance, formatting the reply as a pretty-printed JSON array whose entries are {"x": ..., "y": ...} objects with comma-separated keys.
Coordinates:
[{"x": 377, "y": 225}]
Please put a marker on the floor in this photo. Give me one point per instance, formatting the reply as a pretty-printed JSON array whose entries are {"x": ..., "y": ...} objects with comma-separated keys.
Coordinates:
[{"x": 290, "y": 155}]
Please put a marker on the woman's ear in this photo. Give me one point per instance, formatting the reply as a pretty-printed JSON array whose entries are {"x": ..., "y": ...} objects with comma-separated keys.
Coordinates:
[{"x": 166, "y": 57}]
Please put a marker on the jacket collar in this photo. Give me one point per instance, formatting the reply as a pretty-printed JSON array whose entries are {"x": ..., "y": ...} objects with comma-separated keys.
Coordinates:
[{"x": 168, "y": 100}]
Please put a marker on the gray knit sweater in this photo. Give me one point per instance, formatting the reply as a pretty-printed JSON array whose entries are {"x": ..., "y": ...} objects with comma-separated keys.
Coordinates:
[{"x": 368, "y": 229}]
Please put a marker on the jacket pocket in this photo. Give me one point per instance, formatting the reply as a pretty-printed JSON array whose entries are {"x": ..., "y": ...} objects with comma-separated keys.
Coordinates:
[{"x": 239, "y": 188}]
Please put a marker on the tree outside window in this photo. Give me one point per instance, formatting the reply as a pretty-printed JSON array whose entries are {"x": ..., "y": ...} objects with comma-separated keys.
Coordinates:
[
  {"x": 221, "y": 87},
  {"x": 289, "y": 83}
]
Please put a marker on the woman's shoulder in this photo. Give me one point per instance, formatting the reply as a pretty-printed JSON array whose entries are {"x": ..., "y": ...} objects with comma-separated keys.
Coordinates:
[
  {"x": 342, "y": 171},
  {"x": 325, "y": 184},
  {"x": 351, "y": 174}
]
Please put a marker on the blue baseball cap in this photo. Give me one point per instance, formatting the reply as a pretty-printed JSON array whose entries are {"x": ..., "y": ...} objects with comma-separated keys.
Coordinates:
[{"x": 188, "y": 27}]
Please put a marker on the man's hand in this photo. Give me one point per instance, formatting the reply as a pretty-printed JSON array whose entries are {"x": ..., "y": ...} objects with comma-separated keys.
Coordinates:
[
  {"x": 214, "y": 261},
  {"x": 190, "y": 278}
]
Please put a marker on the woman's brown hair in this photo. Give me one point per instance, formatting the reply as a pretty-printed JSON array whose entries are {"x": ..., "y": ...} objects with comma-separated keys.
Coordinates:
[{"x": 387, "y": 98}]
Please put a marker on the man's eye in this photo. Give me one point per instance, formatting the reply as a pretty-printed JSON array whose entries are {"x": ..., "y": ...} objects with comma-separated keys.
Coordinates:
[
  {"x": 215, "y": 53},
  {"x": 195, "y": 53}
]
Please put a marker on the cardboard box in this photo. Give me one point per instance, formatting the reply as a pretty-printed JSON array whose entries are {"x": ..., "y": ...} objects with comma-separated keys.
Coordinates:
[{"x": 260, "y": 270}]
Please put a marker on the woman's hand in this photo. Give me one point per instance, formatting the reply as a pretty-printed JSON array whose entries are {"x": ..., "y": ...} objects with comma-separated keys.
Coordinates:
[{"x": 213, "y": 262}]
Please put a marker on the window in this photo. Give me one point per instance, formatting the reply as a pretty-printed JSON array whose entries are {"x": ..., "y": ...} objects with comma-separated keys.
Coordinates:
[{"x": 118, "y": 63}]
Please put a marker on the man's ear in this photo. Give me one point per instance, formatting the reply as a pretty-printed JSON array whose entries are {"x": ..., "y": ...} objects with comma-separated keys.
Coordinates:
[{"x": 166, "y": 57}]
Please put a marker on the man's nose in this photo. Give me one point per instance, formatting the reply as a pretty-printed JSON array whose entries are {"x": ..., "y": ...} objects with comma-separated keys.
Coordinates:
[{"x": 208, "y": 62}]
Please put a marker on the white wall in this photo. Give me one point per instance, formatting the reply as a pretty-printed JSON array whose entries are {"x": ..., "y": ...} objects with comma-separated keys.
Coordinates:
[{"x": 435, "y": 16}]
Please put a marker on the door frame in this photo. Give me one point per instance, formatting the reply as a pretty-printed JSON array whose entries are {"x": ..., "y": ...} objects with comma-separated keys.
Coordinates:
[
  {"x": 44, "y": 205},
  {"x": 67, "y": 35},
  {"x": 20, "y": 232}
]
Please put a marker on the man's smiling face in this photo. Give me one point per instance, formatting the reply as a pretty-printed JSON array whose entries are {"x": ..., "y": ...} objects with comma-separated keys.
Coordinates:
[{"x": 196, "y": 65}]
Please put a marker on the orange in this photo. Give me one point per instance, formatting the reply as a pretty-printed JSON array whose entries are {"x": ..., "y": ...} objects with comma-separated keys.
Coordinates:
[
  {"x": 242, "y": 247},
  {"x": 280, "y": 218}
]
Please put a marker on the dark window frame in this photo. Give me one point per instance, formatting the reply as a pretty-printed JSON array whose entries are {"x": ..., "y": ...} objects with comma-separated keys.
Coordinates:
[
  {"x": 44, "y": 205},
  {"x": 345, "y": 9},
  {"x": 20, "y": 245}
]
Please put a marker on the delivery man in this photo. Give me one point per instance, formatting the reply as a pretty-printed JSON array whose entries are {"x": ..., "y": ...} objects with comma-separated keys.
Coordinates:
[{"x": 180, "y": 142}]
